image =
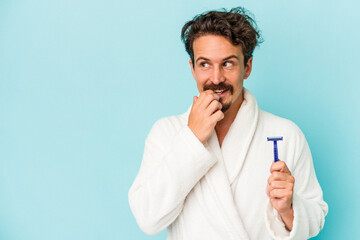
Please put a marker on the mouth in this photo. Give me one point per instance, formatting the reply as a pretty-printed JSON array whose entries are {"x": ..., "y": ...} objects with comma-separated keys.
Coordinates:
[{"x": 221, "y": 92}]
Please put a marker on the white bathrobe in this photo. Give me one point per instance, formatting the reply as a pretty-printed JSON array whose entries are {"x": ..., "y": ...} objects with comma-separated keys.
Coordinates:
[{"x": 206, "y": 192}]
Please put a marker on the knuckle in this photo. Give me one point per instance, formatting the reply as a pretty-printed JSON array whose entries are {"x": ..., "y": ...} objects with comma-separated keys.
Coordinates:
[
  {"x": 209, "y": 97},
  {"x": 211, "y": 104},
  {"x": 292, "y": 179},
  {"x": 288, "y": 197}
]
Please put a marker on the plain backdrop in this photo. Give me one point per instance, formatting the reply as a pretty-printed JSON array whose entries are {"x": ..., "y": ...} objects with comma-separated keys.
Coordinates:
[{"x": 82, "y": 82}]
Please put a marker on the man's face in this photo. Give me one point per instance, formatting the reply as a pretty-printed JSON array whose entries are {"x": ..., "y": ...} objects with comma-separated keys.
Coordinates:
[{"x": 219, "y": 66}]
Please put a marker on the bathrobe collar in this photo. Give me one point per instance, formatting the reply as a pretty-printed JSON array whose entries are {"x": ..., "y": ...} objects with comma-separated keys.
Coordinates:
[
  {"x": 239, "y": 137},
  {"x": 231, "y": 157}
]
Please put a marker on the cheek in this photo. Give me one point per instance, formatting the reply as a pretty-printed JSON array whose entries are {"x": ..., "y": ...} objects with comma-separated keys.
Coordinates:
[
  {"x": 202, "y": 76},
  {"x": 199, "y": 86},
  {"x": 235, "y": 78},
  {"x": 201, "y": 80},
  {"x": 236, "y": 81},
  {"x": 199, "y": 83}
]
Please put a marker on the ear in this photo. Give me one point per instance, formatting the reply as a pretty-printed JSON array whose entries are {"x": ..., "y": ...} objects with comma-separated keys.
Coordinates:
[
  {"x": 192, "y": 69},
  {"x": 248, "y": 68}
]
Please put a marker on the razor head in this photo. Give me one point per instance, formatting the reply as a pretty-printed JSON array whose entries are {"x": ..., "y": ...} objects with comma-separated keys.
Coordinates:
[{"x": 275, "y": 138}]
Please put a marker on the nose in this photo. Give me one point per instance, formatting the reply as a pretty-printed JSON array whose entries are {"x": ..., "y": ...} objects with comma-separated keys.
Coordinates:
[{"x": 217, "y": 75}]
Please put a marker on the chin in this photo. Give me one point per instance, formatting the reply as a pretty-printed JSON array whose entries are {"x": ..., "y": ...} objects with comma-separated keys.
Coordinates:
[{"x": 225, "y": 107}]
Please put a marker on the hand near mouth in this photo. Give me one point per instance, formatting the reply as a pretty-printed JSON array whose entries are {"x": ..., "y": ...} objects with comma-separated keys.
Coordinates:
[{"x": 204, "y": 115}]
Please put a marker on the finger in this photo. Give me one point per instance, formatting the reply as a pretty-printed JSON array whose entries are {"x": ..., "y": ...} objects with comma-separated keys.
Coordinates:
[
  {"x": 280, "y": 185},
  {"x": 211, "y": 92},
  {"x": 213, "y": 107},
  {"x": 209, "y": 99},
  {"x": 279, "y": 166},
  {"x": 280, "y": 176},
  {"x": 205, "y": 98},
  {"x": 281, "y": 193},
  {"x": 217, "y": 116}
]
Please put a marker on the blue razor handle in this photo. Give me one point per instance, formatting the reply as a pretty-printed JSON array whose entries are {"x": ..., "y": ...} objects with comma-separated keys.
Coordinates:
[{"x": 275, "y": 139}]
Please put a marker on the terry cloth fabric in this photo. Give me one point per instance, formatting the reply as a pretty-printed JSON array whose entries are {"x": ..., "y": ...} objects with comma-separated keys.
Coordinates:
[{"x": 201, "y": 191}]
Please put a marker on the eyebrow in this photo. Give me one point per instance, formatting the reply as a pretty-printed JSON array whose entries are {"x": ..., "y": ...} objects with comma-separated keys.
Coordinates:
[{"x": 227, "y": 58}]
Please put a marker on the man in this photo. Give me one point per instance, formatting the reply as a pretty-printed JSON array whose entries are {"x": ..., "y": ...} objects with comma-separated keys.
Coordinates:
[{"x": 208, "y": 173}]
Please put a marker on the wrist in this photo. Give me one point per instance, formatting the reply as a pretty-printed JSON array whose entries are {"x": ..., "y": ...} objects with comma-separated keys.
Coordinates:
[
  {"x": 288, "y": 217},
  {"x": 201, "y": 139},
  {"x": 287, "y": 213}
]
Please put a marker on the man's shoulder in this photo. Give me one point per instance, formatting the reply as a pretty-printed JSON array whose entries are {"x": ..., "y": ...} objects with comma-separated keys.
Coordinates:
[
  {"x": 272, "y": 125},
  {"x": 172, "y": 121},
  {"x": 275, "y": 122},
  {"x": 170, "y": 125}
]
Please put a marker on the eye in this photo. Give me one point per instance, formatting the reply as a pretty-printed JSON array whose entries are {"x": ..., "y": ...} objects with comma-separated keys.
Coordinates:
[
  {"x": 204, "y": 64},
  {"x": 228, "y": 64}
]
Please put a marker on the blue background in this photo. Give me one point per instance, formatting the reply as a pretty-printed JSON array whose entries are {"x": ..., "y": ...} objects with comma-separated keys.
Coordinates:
[{"x": 82, "y": 82}]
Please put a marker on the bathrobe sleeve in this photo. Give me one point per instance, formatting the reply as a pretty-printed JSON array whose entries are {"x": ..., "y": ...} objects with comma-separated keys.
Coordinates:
[
  {"x": 308, "y": 205},
  {"x": 174, "y": 161}
]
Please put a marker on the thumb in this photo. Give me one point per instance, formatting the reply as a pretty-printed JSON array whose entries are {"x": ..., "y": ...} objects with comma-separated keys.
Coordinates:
[{"x": 195, "y": 98}]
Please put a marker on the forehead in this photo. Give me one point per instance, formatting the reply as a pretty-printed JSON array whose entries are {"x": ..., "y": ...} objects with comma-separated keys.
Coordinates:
[{"x": 215, "y": 47}]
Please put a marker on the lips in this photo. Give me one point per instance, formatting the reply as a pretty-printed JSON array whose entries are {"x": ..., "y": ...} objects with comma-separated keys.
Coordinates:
[{"x": 220, "y": 92}]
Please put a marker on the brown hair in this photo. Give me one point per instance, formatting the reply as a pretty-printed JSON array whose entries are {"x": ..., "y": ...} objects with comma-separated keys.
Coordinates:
[{"x": 236, "y": 25}]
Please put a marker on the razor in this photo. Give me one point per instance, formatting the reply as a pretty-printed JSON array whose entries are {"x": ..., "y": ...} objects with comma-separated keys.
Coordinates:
[{"x": 275, "y": 139}]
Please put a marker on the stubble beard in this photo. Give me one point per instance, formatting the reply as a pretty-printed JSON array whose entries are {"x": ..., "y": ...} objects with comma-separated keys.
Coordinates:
[{"x": 225, "y": 106}]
